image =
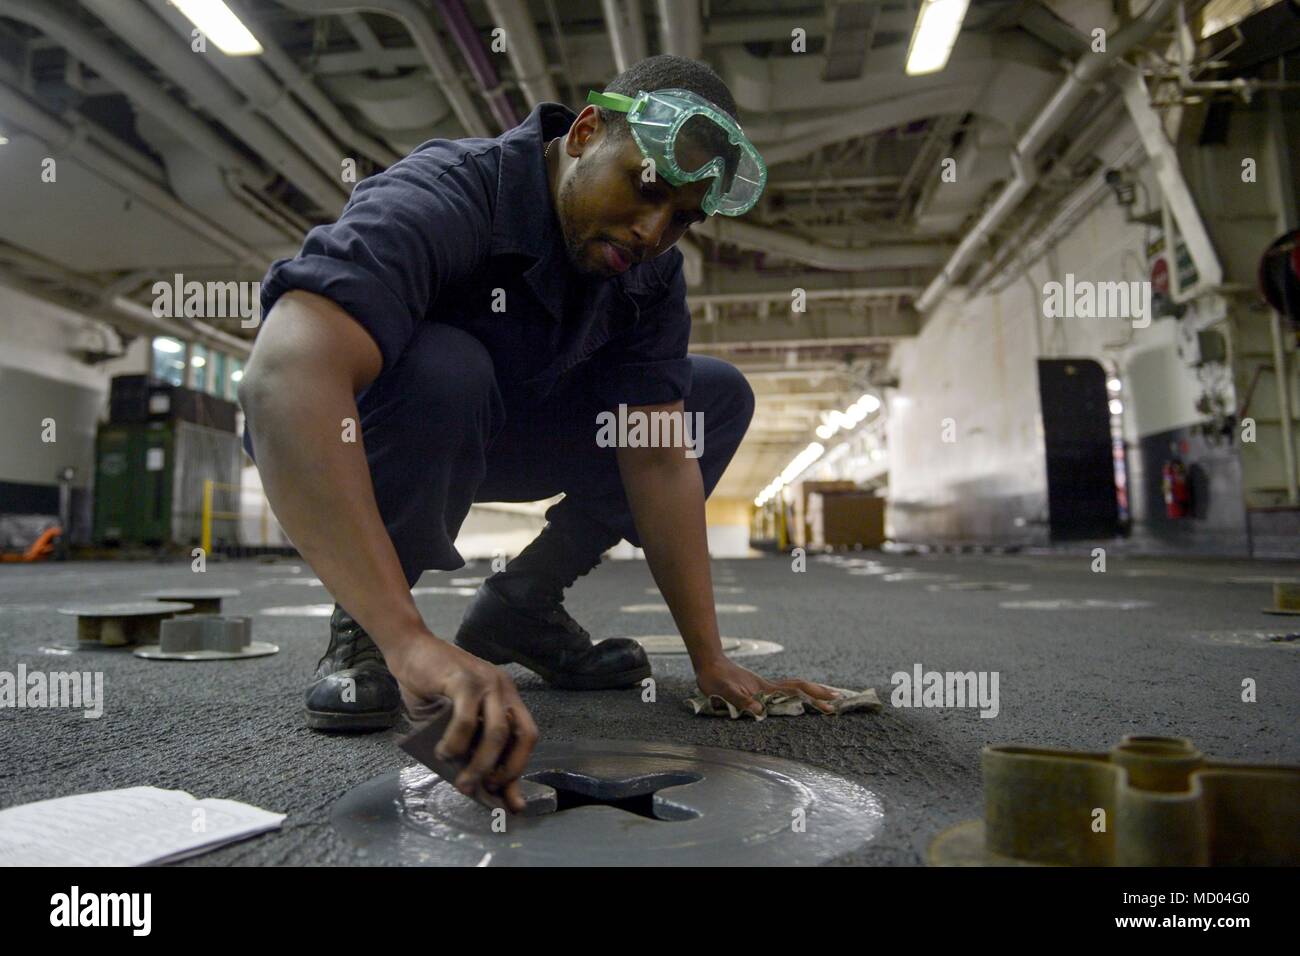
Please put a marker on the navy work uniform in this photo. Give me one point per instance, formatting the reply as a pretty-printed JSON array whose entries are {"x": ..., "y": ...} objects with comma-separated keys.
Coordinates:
[{"x": 498, "y": 355}]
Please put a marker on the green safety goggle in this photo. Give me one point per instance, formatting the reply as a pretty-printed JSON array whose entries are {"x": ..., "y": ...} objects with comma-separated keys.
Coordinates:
[{"x": 689, "y": 139}]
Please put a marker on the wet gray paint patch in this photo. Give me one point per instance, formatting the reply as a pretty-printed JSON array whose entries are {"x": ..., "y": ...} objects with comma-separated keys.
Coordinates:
[
  {"x": 620, "y": 803},
  {"x": 672, "y": 645},
  {"x": 717, "y": 589},
  {"x": 300, "y": 610},
  {"x": 977, "y": 586},
  {"x": 918, "y": 576},
  {"x": 1067, "y": 604},
  {"x": 190, "y": 594},
  {"x": 54, "y": 650},
  {"x": 656, "y": 608},
  {"x": 1280, "y": 638}
]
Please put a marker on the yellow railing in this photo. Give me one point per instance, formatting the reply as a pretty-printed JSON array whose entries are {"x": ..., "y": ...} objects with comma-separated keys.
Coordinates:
[{"x": 209, "y": 514}]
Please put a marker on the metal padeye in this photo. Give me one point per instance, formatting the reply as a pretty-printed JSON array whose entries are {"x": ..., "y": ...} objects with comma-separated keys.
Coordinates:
[{"x": 620, "y": 803}]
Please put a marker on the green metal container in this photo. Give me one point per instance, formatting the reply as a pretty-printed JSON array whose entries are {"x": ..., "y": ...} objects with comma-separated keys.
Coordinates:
[{"x": 149, "y": 482}]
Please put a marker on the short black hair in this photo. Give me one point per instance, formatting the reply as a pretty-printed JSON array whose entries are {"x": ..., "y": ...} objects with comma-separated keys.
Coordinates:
[{"x": 668, "y": 71}]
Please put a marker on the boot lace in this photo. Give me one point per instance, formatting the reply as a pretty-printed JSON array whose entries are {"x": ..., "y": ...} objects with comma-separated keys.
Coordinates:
[
  {"x": 559, "y": 616},
  {"x": 355, "y": 646}
]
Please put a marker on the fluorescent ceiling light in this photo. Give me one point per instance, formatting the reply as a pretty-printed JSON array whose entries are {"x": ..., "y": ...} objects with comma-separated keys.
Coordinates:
[
  {"x": 167, "y": 345},
  {"x": 937, "y": 26},
  {"x": 220, "y": 25},
  {"x": 792, "y": 471}
]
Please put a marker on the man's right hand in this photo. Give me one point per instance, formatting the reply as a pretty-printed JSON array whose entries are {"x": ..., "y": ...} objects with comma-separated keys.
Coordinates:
[{"x": 427, "y": 668}]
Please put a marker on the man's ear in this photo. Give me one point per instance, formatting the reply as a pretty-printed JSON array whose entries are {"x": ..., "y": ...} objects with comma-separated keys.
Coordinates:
[{"x": 587, "y": 129}]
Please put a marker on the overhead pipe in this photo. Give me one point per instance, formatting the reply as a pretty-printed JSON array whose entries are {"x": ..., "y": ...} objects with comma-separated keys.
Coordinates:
[
  {"x": 109, "y": 142},
  {"x": 1176, "y": 196},
  {"x": 56, "y": 19},
  {"x": 191, "y": 330},
  {"x": 417, "y": 21},
  {"x": 302, "y": 86},
  {"x": 1086, "y": 71},
  {"x": 1021, "y": 250},
  {"x": 892, "y": 256},
  {"x": 261, "y": 88},
  {"x": 782, "y": 295},
  {"x": 557, "y": 34},
  {"x": 60, "y": 137},
  {"x": 157, "y": 43},
  {"x": 1244, "y": 87},
  {"x": 123, "y": 313},
  {"x": 680, "y": 31},
  {"x": 786, "y": 140},
  {"x": 524, "y": 48},
  {"x": 245, "y": 178},
  {"x": 626, "y": 31},
  {"x": 480, "y": 64},
  {"x": 361, "y": 32},
  {"x": 255, "y": 84},
  {"x": 1019, "y": 246},
  {"x": 274, "y": 214}
]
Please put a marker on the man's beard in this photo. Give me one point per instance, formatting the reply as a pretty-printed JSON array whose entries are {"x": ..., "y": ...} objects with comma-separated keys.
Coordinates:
[{"x": 575, "y": 247}]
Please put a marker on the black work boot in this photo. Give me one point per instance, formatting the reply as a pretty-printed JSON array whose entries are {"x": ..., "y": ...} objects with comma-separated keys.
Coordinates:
[
  {"x": 517, "y": 615},
  {"x": 353, "y": 689}
]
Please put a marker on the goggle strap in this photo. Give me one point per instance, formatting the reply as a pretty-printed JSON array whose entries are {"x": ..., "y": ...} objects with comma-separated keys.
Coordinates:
[{"x": 610, "y": 101}]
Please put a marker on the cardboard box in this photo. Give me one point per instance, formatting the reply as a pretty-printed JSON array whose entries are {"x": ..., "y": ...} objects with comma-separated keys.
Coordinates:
[{"x": 846, "y": 519}]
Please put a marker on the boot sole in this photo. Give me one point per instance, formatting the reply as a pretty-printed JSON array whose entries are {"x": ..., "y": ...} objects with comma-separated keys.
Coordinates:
[
  {"x": 494, "y": 653},
  {"x": 351, "y": 723}
]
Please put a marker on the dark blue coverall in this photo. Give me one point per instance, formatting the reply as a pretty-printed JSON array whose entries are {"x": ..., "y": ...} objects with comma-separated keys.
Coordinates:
[{"x": 498, "y": 355}]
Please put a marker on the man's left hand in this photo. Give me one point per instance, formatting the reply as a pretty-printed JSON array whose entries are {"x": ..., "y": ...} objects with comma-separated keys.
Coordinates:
[{"x": 739, "y": 686}]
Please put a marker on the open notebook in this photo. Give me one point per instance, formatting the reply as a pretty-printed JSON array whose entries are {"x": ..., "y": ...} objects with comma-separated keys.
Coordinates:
[{"x": 136, "y": 826}]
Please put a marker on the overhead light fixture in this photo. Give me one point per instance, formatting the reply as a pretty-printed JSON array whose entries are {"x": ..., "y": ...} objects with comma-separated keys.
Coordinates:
[
  {"x": 220, "y": 25},
  {"x": 4, "y": 140},
  {"x": 937, "y": 26},
  {"x": 163, "y": 344},
  {"x": 797, "y": 466},
  {"x": 851, "y": 417},
  {"x": 835, "y": 420}
]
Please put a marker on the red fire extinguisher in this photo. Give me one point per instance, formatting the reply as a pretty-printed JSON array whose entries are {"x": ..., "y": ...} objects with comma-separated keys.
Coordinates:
[{"x": 1178, "y": 498}]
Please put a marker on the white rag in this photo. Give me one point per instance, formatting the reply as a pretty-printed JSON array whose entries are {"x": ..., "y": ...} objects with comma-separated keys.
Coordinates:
[{"x": 786, "y": 703}]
